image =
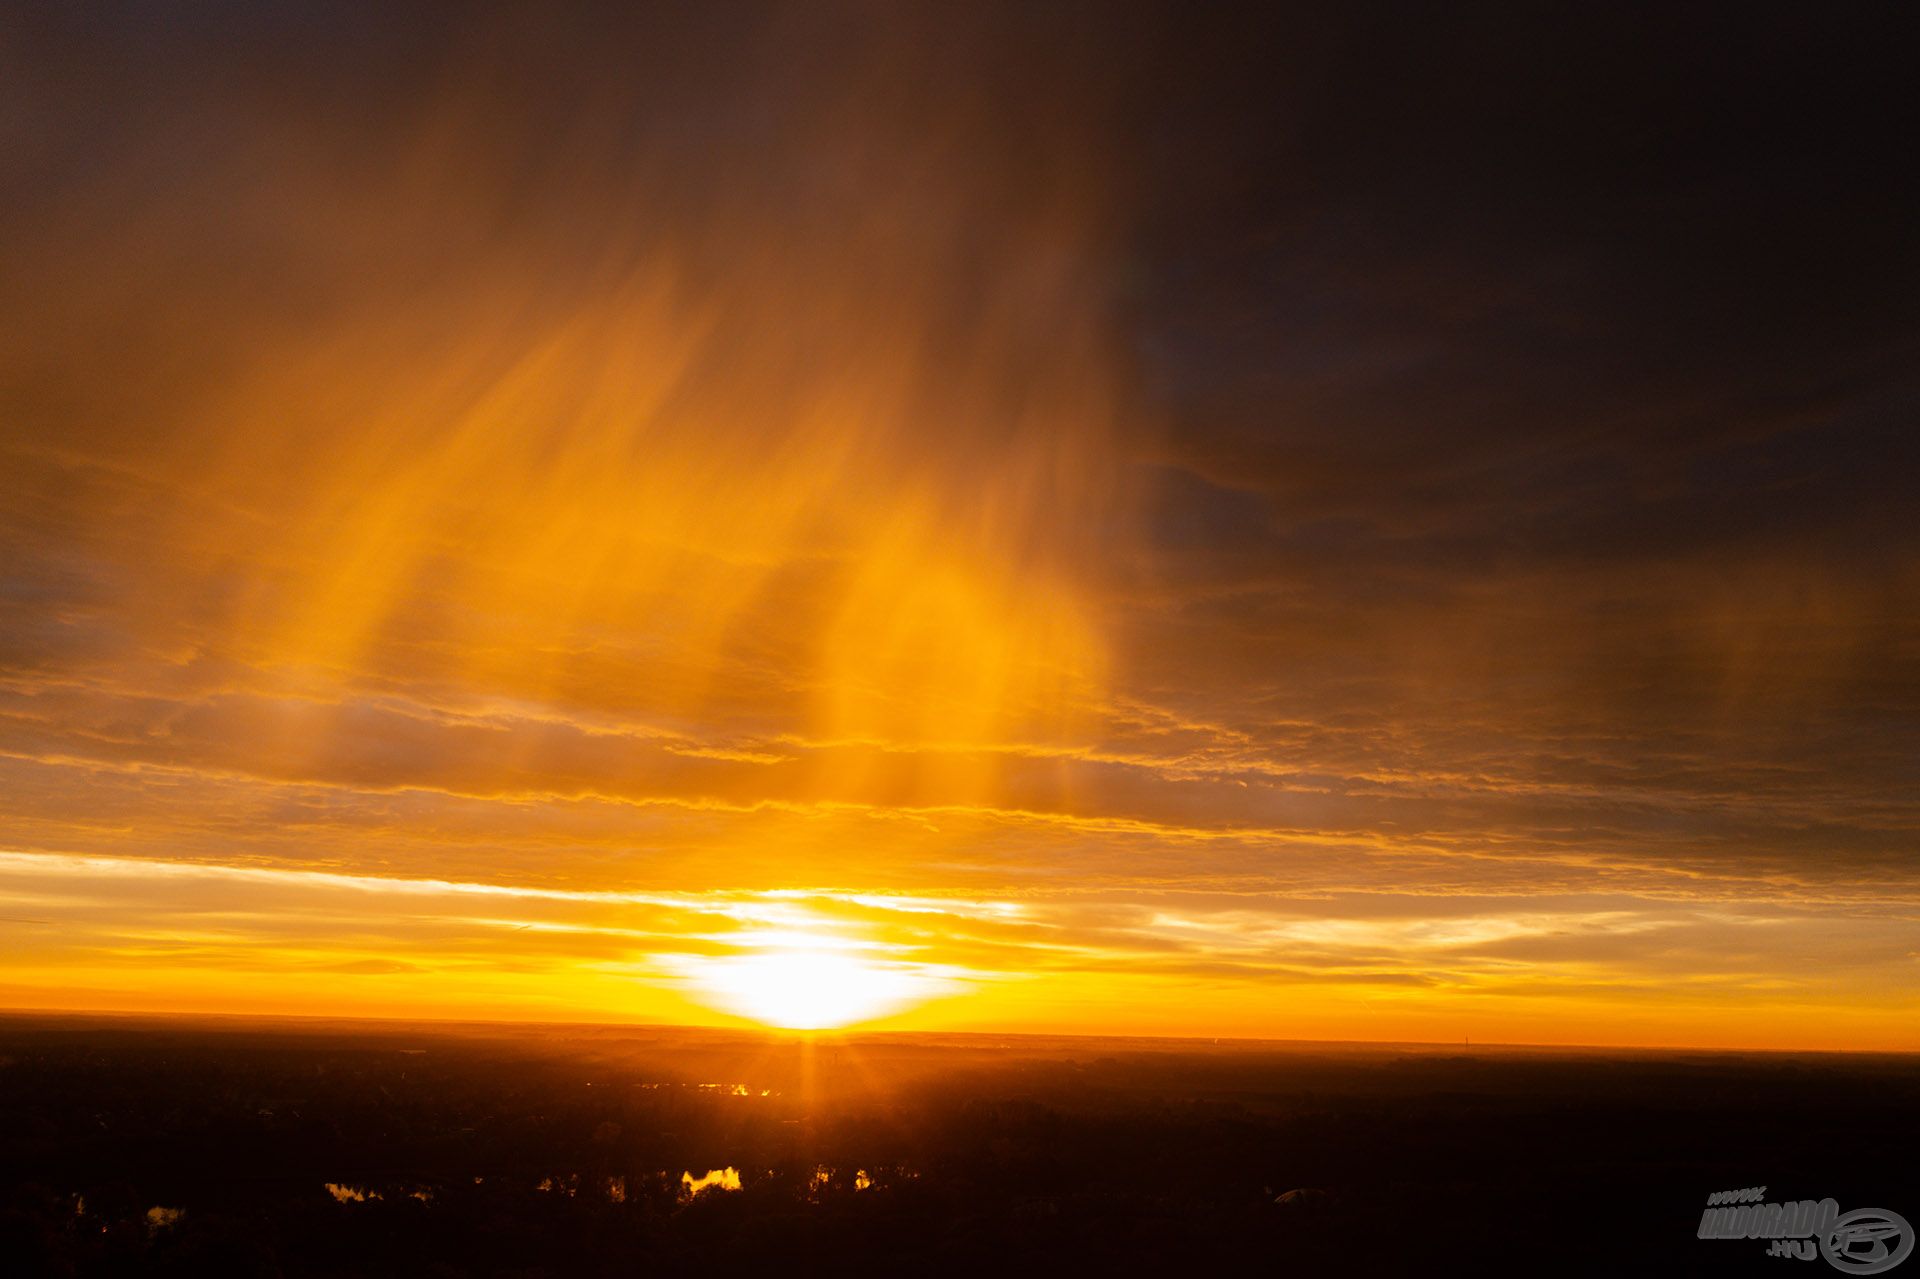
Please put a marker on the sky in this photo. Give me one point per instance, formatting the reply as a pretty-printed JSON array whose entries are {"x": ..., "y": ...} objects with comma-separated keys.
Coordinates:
[{"x": 1341, "y": 521}]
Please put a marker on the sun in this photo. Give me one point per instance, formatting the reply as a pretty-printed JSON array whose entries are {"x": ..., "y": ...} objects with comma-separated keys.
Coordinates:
[{"x": 814, "y": 988}]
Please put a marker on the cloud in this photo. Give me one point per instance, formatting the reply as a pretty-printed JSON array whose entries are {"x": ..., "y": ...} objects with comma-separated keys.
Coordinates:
[{"x": 1078, "y": 458}]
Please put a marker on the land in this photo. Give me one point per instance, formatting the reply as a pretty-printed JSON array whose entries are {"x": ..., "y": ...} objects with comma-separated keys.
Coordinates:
[{"x": 305, "y": 1147}]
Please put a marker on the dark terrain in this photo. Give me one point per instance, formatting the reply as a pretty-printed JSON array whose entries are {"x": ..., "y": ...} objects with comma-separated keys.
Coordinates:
[{"x": 216, "y": 1147}]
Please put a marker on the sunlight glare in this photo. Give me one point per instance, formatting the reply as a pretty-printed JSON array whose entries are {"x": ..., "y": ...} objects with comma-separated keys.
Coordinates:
[{"x": 814, "y": 989}]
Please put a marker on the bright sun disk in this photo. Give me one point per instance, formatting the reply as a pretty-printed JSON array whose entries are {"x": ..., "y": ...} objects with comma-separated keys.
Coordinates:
[{"x": 813, "y": 989}]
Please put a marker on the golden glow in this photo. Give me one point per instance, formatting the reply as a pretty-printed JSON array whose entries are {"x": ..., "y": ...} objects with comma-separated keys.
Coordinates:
[
  {"x": 813, "y": 989},
  {"x": 491, "y": 564},
  {"x": 97, "y": 930},
  {"x": 713, "y": 1179}
]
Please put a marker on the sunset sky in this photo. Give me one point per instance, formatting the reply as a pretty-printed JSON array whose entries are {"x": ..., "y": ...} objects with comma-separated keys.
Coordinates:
[{"x": 1357, "y": 523}]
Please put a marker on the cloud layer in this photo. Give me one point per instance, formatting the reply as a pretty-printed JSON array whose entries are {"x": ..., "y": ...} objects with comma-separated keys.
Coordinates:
[{"x": 1339, "y": 524}]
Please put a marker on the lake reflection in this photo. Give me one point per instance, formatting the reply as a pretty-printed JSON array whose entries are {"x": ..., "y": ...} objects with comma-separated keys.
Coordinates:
[{"x": 718, "y": 1178}]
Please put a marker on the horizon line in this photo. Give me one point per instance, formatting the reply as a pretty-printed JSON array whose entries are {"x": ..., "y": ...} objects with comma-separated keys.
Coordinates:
[{"x": 316, "y": 1020}]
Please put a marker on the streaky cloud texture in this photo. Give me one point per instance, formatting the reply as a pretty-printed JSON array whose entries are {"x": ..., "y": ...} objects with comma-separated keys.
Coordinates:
[{"x": 1339, "y": 521}]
